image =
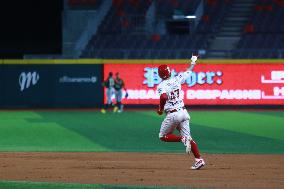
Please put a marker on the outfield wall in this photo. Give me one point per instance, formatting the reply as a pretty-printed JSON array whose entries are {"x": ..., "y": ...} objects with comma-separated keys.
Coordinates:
[
  {"x": 77, "y": 83},
  {"x": 50, "y": 85}
]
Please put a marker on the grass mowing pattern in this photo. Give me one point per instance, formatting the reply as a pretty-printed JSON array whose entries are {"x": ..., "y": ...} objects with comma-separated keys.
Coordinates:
[
  {"x": 41, "y": 185},
  {"x": 28, "y": 131},
  {"x": 215, "y": 131}
]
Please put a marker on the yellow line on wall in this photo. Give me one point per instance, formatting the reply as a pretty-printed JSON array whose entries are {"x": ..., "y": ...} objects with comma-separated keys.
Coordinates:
[
  {"x": 202, "y": 61},
  {"x": 139, "y": 61},
  {"x": 51, "y": 61}
]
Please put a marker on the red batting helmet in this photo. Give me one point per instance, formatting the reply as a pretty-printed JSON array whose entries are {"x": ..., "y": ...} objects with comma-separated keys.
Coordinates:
[{"x": 164, "y": 71}]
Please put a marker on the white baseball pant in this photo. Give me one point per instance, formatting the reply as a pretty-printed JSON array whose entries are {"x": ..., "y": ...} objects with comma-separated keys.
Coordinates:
[{"x": 177, "y": 120}]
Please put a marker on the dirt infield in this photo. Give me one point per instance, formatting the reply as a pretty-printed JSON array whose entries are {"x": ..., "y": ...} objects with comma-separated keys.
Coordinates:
[{"x": 155, "y": 169}]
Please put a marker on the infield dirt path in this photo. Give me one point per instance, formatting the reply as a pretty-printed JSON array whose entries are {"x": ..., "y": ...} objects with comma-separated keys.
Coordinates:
[{"x": 154, "y": 169}]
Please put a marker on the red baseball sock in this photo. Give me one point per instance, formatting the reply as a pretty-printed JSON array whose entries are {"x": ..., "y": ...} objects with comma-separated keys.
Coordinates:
[
  {"x": 171, "y": 138},
  {"x": 194, "y": 149}
]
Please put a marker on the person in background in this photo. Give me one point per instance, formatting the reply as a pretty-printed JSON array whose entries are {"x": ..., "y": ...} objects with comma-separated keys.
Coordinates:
[
  {"x": 109, "y": 84},
  {"x": 118, "y": 86}
]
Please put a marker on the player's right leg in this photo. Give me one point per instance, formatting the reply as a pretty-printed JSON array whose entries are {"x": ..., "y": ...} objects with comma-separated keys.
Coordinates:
[
  {"x": 109, "y": 93},
  {"x": 190, "y": 144},
  {"x": 181, "y": 119},
  {"x": 185, "y": 133}
]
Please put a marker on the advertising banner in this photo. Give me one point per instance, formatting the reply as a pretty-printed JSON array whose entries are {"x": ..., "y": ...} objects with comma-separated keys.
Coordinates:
[
  {"x": 209, "y": 84},
  {"x": 51, "y": 85},
  {"x": 26, "y": 85},
  {"x": 78, "y": 85}
]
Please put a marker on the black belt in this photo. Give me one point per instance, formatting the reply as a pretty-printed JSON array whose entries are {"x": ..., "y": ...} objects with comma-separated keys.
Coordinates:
[{"x": 174, "y": 110}]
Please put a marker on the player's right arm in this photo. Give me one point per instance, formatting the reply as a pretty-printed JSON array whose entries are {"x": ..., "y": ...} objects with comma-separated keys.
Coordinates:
[
  {"x": 163, "y": 99},
  {"x": 104, "y": 83},
  {"x": 193, "y": 62}
]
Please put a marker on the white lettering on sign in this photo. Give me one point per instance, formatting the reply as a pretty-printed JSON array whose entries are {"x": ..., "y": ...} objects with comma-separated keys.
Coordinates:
[
  {"x": 199, "y": 94},
  {"x": 276, "y": 77},
  {"x": 151, "y": 77},
  {"x": 223, "y": 94},
  {"x": 278, "y": 91},
  {"x": 142, "y": 94}
]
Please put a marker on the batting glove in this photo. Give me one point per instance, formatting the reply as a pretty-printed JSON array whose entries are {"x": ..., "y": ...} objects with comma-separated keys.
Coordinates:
[{"x": 193, "y": 59}]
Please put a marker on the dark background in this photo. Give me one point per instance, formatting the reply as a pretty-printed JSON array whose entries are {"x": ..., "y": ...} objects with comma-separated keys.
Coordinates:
[{"x": 30, "y": 27}]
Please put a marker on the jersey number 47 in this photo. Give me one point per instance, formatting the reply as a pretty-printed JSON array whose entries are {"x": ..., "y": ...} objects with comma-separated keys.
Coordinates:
[{"x": 174, "y": 94}]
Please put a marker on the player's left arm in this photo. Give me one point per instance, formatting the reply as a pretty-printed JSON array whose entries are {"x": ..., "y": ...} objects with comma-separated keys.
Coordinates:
[{"x": 123, "y": 85}]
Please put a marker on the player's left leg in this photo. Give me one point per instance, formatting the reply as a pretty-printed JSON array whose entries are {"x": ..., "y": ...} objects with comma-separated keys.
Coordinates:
[
  {"x": 171, "y": 138},
  {"x": 115, "y": 109}
]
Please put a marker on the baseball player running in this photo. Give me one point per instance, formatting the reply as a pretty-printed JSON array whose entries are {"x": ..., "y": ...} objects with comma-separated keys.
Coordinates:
[{"x": 177, "y": 117}]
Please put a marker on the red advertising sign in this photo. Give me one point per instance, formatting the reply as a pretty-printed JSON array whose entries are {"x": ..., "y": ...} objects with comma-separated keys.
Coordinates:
[{"x": 209, "y": 84}]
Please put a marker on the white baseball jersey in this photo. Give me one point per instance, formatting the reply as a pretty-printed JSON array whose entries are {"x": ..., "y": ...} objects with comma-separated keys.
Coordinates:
[{"x": 172, "y": 87}]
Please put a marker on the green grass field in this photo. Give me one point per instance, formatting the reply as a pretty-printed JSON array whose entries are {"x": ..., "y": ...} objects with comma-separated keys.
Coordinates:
[
  {"x": 136, "y": 131},
  {"x": 42, "y": 185}
]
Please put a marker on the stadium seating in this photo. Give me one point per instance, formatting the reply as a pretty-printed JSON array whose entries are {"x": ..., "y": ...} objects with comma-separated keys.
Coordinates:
[
  {"x": 122, "y": 33},
  {"x": 141, "y": 46},
  {"x": 84, "y": 4},
  {"x": 263, "y": 35},
  {"x": 268, "y": 17},
  {"x": 119, "y": 32},
  {"x": 166, "y": 8},
  {"x": 123, "y": 15},
  {"x": 214, "y": 12},
  {"x": 259, "y": 46}
]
